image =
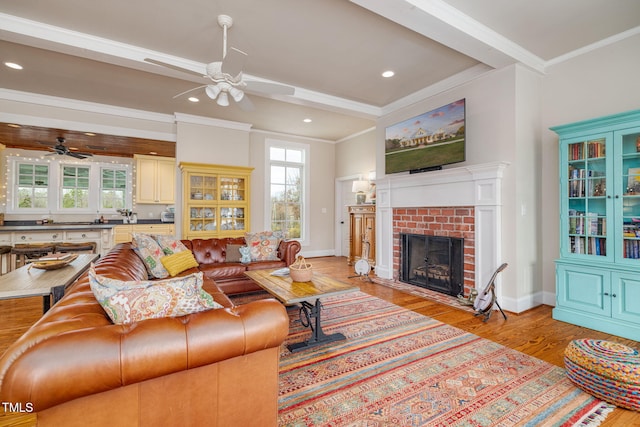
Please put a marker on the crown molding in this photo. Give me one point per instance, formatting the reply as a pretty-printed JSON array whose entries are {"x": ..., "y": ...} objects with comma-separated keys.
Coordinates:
[
  {"x": 208, "y": 121},
  {"x": 594, "y": 46},
  {"x": 74, "y": 104}
]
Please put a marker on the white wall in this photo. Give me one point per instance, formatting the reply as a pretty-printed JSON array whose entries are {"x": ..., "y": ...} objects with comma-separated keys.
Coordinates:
[
  {"x": 356, "y": 155},
  {"x": 492, "y": 112},
  {"x": 602, "y": 82}
]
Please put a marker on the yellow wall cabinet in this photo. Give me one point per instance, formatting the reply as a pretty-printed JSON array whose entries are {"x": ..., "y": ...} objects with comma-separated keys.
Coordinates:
[
  {"x": 216, "y": 200},
  {"x": 155, "y": 179},
  {"x": 122, "y": 233}
]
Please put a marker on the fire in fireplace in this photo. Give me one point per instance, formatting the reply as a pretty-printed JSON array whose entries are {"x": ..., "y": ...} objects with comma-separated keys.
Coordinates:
[{"x": 433, "y": 262}]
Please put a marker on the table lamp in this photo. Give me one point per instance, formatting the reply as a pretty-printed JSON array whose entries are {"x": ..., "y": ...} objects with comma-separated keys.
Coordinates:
[{"x": 360, "y": 187}]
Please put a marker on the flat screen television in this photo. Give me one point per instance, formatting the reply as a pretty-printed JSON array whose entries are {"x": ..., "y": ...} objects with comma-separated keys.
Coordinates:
[{"x": 428, "y": 141}]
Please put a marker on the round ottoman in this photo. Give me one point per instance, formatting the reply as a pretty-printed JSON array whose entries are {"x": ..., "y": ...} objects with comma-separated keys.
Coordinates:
[{"x": 606, "y": 370}]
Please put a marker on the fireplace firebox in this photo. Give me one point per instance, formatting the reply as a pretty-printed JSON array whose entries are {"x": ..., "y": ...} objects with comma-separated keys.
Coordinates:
[{"x": 433, "y": 262}]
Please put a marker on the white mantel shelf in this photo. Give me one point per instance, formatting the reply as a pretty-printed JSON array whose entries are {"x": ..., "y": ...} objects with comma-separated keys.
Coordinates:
[{"x": 479, "y": 186}]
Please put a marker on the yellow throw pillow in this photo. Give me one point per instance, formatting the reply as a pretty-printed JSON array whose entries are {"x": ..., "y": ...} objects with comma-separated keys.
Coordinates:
[{"x": 178, "y": 262}]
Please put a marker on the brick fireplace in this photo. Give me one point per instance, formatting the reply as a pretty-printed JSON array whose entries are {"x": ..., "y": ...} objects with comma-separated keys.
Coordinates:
[
  {"x": 438, "y": 221},
  {"x": 457, "y": 202}
]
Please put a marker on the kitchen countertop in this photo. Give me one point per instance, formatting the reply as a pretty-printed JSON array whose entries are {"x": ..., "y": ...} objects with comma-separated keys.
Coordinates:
[{"x": 32, "y": 226}]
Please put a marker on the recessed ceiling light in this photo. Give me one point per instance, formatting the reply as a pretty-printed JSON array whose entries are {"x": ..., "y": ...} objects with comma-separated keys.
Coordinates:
[
  {"x": 153, "y": 152},
  {"x": 193, "y": 99},
  {"x": 90, "y": 134},
  {"x": 13, "y": 65},
  {"x": 13, "y": 125},
  {"x": 388, "y": 74},
  {"x": 307, "y": 120}
]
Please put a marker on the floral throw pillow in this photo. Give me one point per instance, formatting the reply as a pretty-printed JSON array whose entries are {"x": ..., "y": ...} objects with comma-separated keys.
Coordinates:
[
  {"x": 126, "y": 302},
  {"x": 169, "y": 244},
  {"x": 263, "y": 246},
  {"x": 150, "y": 253}
]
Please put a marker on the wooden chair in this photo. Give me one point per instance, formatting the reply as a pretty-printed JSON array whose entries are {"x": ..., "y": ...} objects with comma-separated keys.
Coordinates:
[
  {"x": 86, "y": 247},
  {"x": 26, "y": 252},
  {"x": 5, "y": 260}
]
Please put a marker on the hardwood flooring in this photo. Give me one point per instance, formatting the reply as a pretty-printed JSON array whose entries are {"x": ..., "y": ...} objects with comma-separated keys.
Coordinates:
[{"x": 533, "y": 332}]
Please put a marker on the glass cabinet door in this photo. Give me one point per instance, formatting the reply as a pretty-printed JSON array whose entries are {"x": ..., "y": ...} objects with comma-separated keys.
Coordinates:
[
  {"x": 628, "y": 201},
  {"x": 202, "y": 218},
  {"x": 231, "y": 219},
  {"x": 586, "y": 202},
  {"x": 232, "y": 189},
  {"x": 203, "y": 187}
]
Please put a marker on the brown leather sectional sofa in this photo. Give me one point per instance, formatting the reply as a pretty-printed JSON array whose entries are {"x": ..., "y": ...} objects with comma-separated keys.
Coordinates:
[{"x": 74, "y": 367}]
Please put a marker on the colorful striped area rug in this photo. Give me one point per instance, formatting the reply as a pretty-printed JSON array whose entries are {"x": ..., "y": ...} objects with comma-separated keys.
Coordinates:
[{"x": 400, "y": 368}]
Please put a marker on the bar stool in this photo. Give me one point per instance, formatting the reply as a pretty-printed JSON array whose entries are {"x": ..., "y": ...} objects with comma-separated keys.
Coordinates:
[
  {"x": 26, "y": 252},
  {"x": 5, "y": 260},
  {"x": 85, "y": 247}
]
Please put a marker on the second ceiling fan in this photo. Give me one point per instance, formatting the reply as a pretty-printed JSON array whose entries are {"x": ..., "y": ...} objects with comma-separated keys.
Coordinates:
[{"x": 225, "y": 78}]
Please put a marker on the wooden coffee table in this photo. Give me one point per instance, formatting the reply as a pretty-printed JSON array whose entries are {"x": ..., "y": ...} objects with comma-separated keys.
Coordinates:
[
  {"x": 308, "y": 295},
  {"x": 50, "y": 284}
]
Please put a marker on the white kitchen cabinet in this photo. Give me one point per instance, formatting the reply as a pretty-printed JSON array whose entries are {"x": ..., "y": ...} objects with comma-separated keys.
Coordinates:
[{"x": 155, "y": 180}]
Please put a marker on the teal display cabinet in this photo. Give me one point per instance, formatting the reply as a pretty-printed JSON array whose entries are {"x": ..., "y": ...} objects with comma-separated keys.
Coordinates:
[{"x": 598, "y": 272}]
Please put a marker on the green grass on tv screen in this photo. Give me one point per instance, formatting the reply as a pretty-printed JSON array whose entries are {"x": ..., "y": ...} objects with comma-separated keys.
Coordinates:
[{"x": 424, "y": 157}]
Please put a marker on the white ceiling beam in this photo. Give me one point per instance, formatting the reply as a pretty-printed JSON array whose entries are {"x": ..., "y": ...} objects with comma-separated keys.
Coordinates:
[
  {"x": 445, "y": 24},
  {"x": 57, "y": 39}
]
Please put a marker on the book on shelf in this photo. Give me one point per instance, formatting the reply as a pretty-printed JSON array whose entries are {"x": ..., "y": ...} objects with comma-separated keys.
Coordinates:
[
  {"x": 55, "y": 257},
  {"x": 633, "y": 178}
]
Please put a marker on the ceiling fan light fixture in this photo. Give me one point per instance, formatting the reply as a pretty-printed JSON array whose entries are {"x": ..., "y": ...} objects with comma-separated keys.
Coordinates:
[
  {"x": 236, "y": 94},
  {"x": 223, "y": 100},
  {"x": 212, "y": 91}
]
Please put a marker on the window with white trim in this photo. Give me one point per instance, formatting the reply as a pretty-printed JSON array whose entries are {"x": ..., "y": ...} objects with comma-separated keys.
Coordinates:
[
  {"x": 113, "y": 188},
  {"x": 288, "y": 179},
  {"x": 32, "y": 185},
  {"x": 75, "y": 187},
  {"x": 54, "y": 186}
]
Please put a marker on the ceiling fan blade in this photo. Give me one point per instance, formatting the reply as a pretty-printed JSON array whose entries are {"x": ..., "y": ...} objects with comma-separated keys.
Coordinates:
[
  {"x": 77, "y": 155},
  {"x": 245, "y": 104},
  {"x": 173, "y": 67},
  {"x": 80, "y": 153},
  {"x": 269, "y": 88},
  {"x": 190, "y": 90},
  {"x": 233, "y": 63}
]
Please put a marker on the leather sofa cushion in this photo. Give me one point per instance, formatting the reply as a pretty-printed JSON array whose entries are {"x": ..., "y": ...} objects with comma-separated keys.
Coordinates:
[
  {"x": 223, "y": 270},
  {"x": 210, "y": 251}
]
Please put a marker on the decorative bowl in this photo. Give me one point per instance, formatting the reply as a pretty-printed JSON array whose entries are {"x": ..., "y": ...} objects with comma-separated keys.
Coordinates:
[{"x": 53, "y": 265}]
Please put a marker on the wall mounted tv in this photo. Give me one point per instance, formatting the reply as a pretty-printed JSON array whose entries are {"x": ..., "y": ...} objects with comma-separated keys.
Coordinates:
[{"x": 428, "y": 141}]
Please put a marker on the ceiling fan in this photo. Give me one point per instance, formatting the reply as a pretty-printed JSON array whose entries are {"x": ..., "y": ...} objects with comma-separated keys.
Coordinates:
[
  {"x": 63, "y": 150},
  {"x": 225, "y": 77}
]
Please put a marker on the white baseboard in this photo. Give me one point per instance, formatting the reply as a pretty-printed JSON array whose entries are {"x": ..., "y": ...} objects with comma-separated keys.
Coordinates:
[{"x": 315, "y": 254}]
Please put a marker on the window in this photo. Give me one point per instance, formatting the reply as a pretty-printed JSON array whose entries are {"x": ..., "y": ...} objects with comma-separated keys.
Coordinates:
[
  {"x": 32, "y": 185},
  {"x": 54, "y": 186},
  {"x": 75, "y": 187},
  {"x": 287, "y": 188},
  {"x": 113, "y": 188}
]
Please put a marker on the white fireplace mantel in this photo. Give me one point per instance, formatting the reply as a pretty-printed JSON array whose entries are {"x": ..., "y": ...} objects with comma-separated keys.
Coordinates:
[{"x": 475, "y": 185}]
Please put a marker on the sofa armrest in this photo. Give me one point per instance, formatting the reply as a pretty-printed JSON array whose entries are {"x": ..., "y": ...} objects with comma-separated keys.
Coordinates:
[
  {"x": 48, "y": 368},
  {"x": 288, "y": 250}
]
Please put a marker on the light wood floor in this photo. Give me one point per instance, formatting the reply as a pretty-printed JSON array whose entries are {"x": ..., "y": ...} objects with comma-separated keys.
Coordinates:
[{"x": 533, "y": 332}]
